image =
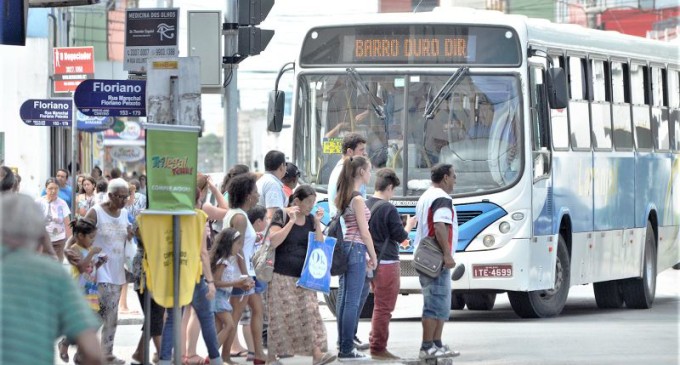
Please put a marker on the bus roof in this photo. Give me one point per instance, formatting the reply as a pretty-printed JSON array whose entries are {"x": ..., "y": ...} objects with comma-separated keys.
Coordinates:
[{"x": 538, "y": 32}]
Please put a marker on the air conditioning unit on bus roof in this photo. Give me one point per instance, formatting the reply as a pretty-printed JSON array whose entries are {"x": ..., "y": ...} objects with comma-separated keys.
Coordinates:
[{"x": 59, "y": 3}]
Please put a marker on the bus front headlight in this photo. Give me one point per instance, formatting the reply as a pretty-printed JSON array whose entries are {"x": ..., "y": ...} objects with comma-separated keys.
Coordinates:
[
  {"x": 504, "y": 227},
  {"x": 489, "y": 240}
]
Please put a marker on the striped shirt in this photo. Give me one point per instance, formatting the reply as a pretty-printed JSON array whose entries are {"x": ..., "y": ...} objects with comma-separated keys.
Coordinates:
[
  {"x": 40, "y": 303},
  {"x": 352, "y": 232}
]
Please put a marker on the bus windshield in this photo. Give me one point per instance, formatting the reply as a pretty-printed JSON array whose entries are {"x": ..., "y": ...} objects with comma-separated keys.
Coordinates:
[{"x": 476, "y": 128}]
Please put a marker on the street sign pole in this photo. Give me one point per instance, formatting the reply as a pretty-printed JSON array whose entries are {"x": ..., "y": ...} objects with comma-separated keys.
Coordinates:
[{"x": 75, "y": 147}]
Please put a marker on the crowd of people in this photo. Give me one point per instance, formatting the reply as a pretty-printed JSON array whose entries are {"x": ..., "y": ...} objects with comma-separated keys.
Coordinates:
[{"x": 279, "y": 319}]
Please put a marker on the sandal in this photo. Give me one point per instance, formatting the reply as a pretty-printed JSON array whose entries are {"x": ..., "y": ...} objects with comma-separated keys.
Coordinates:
[
  {"x": 325, "y": 359},
  {"x": 195, "y": 360},
  {"x": 239, "y": 354},
  {"x": 63, "y": 350}
]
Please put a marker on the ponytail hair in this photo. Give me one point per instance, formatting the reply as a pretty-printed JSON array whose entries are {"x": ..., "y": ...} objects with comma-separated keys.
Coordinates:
[
  {"x": 350, "y": 170},
  {"x": 301, "y": 193}
]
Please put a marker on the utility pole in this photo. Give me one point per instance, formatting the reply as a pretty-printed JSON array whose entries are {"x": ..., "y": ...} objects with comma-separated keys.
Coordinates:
[{"x": 242, "y": 38}]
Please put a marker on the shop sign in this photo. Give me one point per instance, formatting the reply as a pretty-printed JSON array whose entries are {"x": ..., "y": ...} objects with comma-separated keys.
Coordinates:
[{"x": 127, "y": 153}]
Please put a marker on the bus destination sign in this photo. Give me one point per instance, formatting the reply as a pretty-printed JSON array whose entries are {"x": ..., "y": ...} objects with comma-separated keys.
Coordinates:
[
  {"x": 426, "y": 48},
  {"x": 385, "y": 45}
]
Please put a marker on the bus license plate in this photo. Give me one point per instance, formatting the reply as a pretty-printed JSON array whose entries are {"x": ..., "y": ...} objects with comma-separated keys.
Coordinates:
[{"x": 491, "y": 271}]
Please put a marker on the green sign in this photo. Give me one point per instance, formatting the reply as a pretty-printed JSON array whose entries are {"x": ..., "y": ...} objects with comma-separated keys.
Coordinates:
[{"x": 171, "y": 163}]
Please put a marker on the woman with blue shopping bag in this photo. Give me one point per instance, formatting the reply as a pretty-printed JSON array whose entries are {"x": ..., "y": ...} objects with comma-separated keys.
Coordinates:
[{"x": 295, "y": 324}]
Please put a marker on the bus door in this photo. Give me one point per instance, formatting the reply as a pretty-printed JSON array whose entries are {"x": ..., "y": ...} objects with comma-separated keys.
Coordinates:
[{"x": 541, "y": 157}]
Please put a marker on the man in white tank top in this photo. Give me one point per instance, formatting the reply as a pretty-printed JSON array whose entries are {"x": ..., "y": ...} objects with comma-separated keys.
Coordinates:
[{"x": 113, "y": 230}]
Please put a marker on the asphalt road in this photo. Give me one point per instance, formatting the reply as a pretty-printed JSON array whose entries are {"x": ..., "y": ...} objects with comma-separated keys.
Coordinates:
[{"x": 582, "y": 334}]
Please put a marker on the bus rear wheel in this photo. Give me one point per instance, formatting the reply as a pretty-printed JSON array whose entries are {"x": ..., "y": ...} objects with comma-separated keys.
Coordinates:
[
  {"x": 546, "y": 303},
  {"x": 608, "y": 294},
  {"x": 638, "y": 293}
]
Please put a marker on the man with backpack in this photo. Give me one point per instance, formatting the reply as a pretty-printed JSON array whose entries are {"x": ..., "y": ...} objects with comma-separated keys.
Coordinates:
[{"x": 387, "y": 232}]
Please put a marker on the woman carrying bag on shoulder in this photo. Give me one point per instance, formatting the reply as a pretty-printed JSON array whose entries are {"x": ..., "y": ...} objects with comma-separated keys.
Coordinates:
[
  {"x": 358, "y": 247},
  {"x": 295, "y": 324}
]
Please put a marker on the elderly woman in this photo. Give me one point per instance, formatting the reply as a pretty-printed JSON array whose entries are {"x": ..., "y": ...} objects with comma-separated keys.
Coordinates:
[
  {"x": 113, "y": 229},
  {"x": 57, "y": 214}
]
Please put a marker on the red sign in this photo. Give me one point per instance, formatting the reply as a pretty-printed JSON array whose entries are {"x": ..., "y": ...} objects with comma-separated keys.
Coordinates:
[{"x": 71, "y": 66}]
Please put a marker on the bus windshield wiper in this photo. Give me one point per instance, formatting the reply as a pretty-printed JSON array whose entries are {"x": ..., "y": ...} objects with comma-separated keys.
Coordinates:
[
  {"x": 444, "y": 92},
  {"x": 360, "y": 84}
]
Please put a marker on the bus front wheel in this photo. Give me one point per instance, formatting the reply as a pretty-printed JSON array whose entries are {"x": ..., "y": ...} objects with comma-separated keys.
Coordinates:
[
  {"x": 332, "y": 298},
  {"x": 550, "y": 302}
]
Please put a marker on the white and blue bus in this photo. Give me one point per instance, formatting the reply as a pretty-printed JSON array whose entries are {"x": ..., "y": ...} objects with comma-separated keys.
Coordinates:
[{"x": 565, "y": 142}]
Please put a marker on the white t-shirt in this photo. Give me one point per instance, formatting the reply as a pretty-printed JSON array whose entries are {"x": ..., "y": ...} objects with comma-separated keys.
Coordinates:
[
  {"x": 55, "y": 213},
  {"x": 436, "y": 206},
  {"x": 231, "y": 272}
]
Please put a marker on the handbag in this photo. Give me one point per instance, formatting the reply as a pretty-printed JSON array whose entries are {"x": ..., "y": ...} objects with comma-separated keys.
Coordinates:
[
  {"x": 315, "y": 272},
  {"x": 428, "y": 259},
  {"x": 264, "y": 257}
]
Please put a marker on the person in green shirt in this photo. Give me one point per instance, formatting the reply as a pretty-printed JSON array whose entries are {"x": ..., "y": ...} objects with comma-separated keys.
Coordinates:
[{"x": 40, "y": 301}]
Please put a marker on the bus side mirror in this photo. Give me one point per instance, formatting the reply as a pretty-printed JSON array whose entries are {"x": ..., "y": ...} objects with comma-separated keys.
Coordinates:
[
  {"x": 557, "y": 88},
  {"x": 275, "y": 111}
]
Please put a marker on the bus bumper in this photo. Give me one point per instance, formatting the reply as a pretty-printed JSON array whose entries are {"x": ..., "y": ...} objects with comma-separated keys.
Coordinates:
[{"x": 520, "y": 265}]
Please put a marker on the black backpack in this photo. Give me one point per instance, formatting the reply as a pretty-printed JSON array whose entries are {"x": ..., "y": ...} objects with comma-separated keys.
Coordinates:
[{"x": 334, "y": 229}]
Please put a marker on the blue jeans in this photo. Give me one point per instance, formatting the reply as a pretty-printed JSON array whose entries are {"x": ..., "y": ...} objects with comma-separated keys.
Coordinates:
[
  {"x": 353, "y": 285},
  {"x": 437, "y": 295},
  {"x": 204, "y": 311}
]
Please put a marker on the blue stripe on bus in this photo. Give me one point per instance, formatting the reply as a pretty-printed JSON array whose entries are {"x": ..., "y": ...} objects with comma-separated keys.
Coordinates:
[{"x": 484, "y": 214}]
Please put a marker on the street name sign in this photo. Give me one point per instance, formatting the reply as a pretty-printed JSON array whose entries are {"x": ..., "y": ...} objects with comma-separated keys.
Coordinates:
[
  {"x": 150, "y": 33},
  {"x": 47, "y": 112},
  {"x": 111, "y": 98}
]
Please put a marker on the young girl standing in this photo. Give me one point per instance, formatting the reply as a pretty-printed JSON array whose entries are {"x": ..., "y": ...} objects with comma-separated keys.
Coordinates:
[
  {"x": 226, "y": 272},
  {"x": 85, "y": 260},
  {"x": 358, "y": 245}
]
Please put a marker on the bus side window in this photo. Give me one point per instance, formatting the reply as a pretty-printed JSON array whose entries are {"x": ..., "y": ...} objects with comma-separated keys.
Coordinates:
[
  {"x": 660, "y": 125},
  {"x": 674, "y": 107},
  {"x": 623, "y": 135},
  {"x": 600, "y": 106},
  {"x": 639, "y": 83}
]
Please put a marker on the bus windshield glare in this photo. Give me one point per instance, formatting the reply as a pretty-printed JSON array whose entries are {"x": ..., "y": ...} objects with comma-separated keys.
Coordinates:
[{"x": 476, "y": 128}]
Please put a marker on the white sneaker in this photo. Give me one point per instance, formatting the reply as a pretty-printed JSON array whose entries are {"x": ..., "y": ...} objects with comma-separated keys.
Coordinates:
[
  {"x": 446, "y": 350},
  {"x": 431, "y": 353}
]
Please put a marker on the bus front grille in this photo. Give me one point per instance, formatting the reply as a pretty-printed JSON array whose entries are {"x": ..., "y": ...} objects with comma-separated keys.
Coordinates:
[{"x": 465, "y": 216}]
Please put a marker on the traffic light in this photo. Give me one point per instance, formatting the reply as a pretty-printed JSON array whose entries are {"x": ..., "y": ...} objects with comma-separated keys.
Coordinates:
[{"x": 242, "y": 25}]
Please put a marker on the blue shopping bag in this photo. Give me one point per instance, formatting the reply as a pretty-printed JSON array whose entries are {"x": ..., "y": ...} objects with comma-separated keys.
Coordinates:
[{"x": 316, "y": 274}]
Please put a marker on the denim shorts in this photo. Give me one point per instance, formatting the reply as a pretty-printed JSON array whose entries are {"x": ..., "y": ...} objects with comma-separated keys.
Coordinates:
[
  {"x": 222, "y": 301},
  {"x": 260, "y": 287},
  {"x": 437, "y": 295}
]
